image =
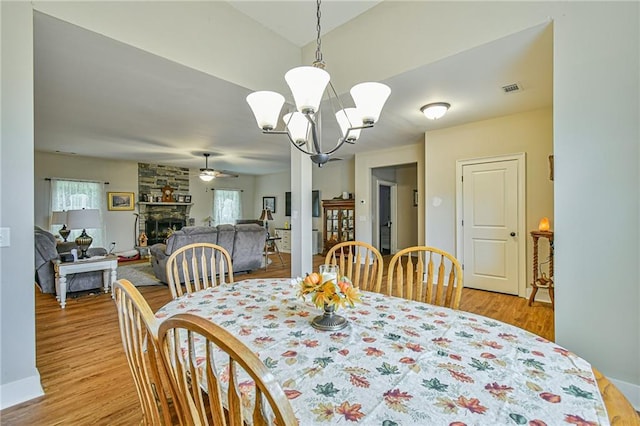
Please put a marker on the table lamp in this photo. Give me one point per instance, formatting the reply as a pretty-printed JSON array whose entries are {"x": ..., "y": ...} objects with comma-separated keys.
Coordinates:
[
  {"x": 83, "y": 219},
  {"x": 60, "y": 218},
  {"x": 266, "y": 217}
]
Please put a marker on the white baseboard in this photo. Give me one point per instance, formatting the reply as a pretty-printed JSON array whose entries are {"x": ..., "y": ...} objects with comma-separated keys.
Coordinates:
[
  {"x": 629, "y": 390},
  {"x": 541, "y": 296},
  {"x": 20, "y": 391}
]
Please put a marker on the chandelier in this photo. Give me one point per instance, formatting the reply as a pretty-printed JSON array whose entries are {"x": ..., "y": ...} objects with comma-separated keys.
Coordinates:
[{"x": 308, "y": 85}]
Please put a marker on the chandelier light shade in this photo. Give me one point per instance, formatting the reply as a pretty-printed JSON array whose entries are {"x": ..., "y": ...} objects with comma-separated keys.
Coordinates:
[
  {"x": 308, "y": 84},
  {"x": 266, "y": 107},
  {"x": 435, "y": 110},
  {"x": 370, "y": 97},
  {"x": 84, "y": 219},
  {"x": 347, "y": 116}
]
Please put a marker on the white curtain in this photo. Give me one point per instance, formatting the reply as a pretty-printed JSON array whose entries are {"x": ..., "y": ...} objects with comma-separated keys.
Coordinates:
[
  {"x": 74, "y": 195},
  {"x": 227, "y": 206}
]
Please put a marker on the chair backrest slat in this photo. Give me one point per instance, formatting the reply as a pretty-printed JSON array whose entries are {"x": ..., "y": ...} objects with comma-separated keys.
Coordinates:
[
  {"x": 138, "y": 330},
  {"x": 360, "y": 262},
  {"x": 198, "y": 266},
  {"x": 411, "y": 283},
  {"x": 188, "y": 344}
]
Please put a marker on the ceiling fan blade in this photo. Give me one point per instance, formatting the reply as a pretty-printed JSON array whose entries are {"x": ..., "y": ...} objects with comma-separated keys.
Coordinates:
[{"x": 224, "y": 174}]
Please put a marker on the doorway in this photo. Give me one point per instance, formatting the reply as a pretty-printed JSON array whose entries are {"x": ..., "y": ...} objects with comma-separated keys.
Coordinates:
[
  {"x": 491, "y": 218},
  {"x": 384, "y": 218}
]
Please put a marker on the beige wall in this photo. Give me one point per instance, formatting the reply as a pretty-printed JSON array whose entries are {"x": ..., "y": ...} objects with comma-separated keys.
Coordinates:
[
  {"x": 331, "y": 180},
  {"x": 530, "y": 132},
  {"x": 407, "y": 220},
  {"x": 365, "y": 206}
]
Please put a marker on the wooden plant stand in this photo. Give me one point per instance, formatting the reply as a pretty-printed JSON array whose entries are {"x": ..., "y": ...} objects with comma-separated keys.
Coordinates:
[{"x": 542, "y": 281}]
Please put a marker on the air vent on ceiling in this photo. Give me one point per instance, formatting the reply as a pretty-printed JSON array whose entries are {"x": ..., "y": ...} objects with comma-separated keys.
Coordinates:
[{"x": 510, "y": 88}]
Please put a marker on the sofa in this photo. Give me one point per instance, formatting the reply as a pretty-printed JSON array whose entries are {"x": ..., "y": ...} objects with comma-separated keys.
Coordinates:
[
  {"x": 244, "y": 242},
  {"x": 47, "y": 248}
]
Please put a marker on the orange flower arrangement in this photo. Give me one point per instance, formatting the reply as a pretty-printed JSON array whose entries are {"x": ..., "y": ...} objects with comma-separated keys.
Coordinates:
[{"x": 324, "y": 290}]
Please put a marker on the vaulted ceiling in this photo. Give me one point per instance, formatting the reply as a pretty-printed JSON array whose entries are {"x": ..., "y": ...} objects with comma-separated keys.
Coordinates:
[{"x": 99, "y": 97}]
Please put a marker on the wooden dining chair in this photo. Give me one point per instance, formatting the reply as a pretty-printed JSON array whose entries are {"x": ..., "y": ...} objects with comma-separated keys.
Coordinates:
[
  {"x": 425, "y": 274},
  {"x": 198, "y": 266},
  {"x": 138, "y": 330},
  {"x": 360, "y": 262},
  {"x": 188, "y": 344}
]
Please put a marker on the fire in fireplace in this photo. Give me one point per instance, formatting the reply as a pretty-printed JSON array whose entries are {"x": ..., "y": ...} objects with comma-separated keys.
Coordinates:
[{"x": 158, "y": 230}]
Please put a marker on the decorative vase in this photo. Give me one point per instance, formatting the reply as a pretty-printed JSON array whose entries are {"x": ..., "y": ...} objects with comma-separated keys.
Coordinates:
[{"x": 329, "y": 321}]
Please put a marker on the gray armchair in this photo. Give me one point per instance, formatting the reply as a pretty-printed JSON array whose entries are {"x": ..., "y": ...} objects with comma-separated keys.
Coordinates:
[{"x": 46, "y": 250}]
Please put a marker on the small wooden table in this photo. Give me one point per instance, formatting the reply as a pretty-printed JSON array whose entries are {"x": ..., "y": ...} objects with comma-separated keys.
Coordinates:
[
  {"x": 271, "y": 247},
  {"x": 108, "y": 264},
  {"x": 542, "y": 281}
]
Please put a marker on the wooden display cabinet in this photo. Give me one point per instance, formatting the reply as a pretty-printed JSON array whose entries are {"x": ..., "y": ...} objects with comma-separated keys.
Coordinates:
[{"x": 339, "y": 222}]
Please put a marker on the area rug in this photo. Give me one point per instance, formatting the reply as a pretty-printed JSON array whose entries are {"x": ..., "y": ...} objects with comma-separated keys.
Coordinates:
[{"x": 140, "y": 274}]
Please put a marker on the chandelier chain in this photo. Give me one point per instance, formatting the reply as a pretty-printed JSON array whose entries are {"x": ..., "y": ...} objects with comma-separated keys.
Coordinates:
[{"x": 318, "y": 40}]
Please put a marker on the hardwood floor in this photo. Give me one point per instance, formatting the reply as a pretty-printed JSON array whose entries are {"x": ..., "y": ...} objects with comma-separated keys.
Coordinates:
[{"x": 85, "y": 374}]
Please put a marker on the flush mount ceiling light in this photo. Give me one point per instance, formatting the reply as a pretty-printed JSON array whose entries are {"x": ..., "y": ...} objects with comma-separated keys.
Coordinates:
[
  {"x": 308, "y": 85},
  {"x": 435, "y": 110}
]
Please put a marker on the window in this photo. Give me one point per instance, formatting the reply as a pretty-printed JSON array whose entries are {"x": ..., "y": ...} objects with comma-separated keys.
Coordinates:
[
  {"x": 227, "y": 206},
  {"x": 73, "y": 195}
]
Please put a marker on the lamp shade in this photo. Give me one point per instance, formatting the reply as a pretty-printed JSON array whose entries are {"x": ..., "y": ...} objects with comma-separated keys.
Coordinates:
[
  {"x": 307, "y": 85},
  {"x": 59, "y": 218},
  {"x": 266, "y": 215},
  {"x": 544, "y": 224},
  {"x": 298, "y": 127},
  {"x": 347, "y": 118},
  {"x": 435, "y": 110},
  {"x": 370, "y": 97},
  {"x": 83, "y": 219},
  {"x": 266, "y": 108}
]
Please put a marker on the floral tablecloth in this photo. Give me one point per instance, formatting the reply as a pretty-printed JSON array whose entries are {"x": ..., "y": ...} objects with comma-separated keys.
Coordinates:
[{"x": 401, "y": 362}]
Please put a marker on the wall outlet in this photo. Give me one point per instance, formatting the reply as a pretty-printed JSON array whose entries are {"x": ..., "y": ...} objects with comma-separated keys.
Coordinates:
[{"x": 5, "y": 237}]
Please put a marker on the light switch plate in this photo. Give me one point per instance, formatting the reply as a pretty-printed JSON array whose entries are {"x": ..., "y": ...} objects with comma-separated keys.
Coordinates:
[{"x": 5, "y": 237}]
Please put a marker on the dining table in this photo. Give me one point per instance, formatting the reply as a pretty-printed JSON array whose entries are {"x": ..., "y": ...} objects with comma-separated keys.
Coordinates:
[{"x": 401, "y": 362}]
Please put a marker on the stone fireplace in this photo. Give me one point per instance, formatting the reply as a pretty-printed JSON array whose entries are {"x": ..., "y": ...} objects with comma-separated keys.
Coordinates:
[
  {"x": 158, "y": 230},
  {"x": 157, "y": 218}
]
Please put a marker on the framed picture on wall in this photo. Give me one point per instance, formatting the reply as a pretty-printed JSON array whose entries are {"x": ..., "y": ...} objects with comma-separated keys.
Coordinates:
[
  {"x": 269, "y": 203},
  {"x": 120, "y": 200},
  {"x": 187, "y": 198}
]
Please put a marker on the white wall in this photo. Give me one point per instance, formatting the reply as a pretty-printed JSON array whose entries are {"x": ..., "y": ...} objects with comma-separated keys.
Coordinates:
[
  {"x": 123, "y": 177},
  {"x": 596, "y": 63},
  {"x": 19, "y": 378},
  {"x": 331, "y": 180},
  {"x": 530, "y": 132},
  {"x": 202, "y": 195}
]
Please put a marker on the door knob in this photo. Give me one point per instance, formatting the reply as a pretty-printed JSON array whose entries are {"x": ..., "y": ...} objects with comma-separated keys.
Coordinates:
[{"x": 513, "y": 234}]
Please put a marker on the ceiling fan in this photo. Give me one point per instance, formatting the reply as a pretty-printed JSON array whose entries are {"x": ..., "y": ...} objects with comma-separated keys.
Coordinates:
[{"x": 208, "y": 174}]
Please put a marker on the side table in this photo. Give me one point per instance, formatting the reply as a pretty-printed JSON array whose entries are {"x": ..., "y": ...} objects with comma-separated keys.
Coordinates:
[
  {"x": 542, "y": 281},
  {"x": 108, "y": 264},
  {"x": 271, "y": 247},
  {"x": 144, "y": 251}
]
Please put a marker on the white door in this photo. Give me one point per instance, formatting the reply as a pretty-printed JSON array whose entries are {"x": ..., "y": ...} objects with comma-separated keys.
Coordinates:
[{"x": 490, "y": 226}]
